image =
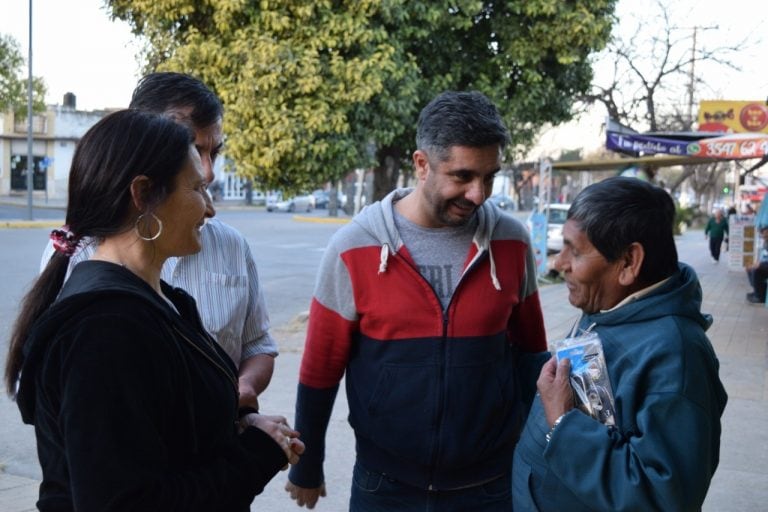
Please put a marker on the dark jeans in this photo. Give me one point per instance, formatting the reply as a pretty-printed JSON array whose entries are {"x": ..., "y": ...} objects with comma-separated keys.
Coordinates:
[
  {"x": 714, "y": 247},
  {"x": 376, "y": 492},
  {"x": 757, "y": 277}
]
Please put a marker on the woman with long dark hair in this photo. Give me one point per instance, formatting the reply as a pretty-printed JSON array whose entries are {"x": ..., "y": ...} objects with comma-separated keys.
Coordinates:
[{"x": 135, "y": 407}]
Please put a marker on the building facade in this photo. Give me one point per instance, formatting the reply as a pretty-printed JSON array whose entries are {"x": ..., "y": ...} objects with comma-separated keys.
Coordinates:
[{"x": 55, "y": 133}]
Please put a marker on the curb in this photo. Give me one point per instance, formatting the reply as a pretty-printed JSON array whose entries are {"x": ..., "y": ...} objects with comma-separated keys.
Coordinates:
[
  {"x": 5, "y": 201},
  {"x": 321, "y": 220},
  {"x": 26, "y": 224}
]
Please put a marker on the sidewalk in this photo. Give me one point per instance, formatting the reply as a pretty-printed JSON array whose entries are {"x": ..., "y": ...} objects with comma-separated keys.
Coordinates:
[{"x": 740, "y": 338}]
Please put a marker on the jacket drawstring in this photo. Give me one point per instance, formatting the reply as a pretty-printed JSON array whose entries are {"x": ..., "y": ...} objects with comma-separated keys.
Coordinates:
[
  {"x": 383, "y": 258},
  {"x": 494, "y": 279}
]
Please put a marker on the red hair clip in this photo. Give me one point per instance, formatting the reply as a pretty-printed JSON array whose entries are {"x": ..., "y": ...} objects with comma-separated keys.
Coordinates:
[{"x": 64, "y": 241}]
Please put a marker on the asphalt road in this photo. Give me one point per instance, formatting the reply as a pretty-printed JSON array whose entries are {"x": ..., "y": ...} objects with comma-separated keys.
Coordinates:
[
  {"x": 287, "y": 250},
  {"x": 287, "y": 254}
]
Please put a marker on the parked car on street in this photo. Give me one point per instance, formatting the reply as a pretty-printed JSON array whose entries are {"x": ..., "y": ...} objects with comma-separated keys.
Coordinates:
[
  {"x": 555, "y": 221},
  {"x": 322, "y": 198},
  {"x": 302, "y": 203}
]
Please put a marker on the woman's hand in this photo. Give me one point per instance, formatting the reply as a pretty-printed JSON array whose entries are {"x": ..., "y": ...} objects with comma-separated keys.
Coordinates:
[
  {"x": 277, "y": 427},
  {"x": 555, "y": 389}
]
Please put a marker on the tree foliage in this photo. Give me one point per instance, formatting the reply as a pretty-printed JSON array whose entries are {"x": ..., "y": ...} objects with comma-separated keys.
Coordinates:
[
  {"x": 315, "y": 89},
  {"x": 13, "y": 87},
  {"x": 529, "y": 56}
]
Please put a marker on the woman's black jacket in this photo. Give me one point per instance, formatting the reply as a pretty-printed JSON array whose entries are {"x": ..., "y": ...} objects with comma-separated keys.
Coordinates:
[{"x": 134, "y": 406}]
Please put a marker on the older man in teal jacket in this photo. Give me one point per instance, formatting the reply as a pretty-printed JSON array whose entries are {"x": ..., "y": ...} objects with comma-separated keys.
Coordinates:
[{"x": 620, "y": 266}]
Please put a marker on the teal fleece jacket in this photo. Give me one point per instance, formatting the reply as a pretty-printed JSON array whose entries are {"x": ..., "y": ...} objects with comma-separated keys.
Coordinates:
[{"x": 665, "y": 447}]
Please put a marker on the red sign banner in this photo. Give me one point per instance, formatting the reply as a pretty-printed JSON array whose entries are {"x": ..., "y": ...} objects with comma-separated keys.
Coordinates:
[{"x": 741, "y": 145}]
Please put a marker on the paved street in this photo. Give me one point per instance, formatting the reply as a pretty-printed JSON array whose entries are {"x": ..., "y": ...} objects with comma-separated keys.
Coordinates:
[{"x": 739, "y": 335}]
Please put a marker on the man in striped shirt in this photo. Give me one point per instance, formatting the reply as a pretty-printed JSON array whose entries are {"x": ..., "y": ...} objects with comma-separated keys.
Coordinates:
[{"x": 222, "y": 277}]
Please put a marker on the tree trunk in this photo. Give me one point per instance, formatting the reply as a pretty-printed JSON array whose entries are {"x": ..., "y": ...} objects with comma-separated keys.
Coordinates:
[
  {"x": 333, "y": 195},
  {"x": 687, "y": 172},
  {"x": 387, "y": 172}
]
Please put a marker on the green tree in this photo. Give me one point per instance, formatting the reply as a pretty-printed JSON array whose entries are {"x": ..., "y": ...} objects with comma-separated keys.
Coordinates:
[
  {"x": 13, "y": 88},
  {"x": 315, "y": 89},
  {"x": 289, "y": 74},
  {"x": 529, "y": 56}
]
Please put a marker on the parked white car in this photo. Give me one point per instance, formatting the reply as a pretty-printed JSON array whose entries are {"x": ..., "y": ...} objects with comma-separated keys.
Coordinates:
[
  {"x": 557, "y": 215},
  {"x": 303, "y": 203}
]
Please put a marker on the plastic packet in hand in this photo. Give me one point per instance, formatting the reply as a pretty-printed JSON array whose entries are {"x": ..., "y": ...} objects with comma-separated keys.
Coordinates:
[{"x": 589, "y": 375}]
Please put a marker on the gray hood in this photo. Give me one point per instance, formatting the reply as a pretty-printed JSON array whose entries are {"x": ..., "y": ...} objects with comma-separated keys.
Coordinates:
[{"x": 378, "y": 221}]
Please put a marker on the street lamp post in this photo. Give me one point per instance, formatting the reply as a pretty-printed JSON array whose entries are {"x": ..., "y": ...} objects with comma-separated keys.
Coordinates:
[{"x": 30, "y": 160}]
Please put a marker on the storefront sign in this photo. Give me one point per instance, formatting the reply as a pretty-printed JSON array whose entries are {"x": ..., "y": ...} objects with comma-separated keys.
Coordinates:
[
  {"x": 733, "y": 146},
  {"x": 733, "y": 116},
  {"x": 623, "y": 142}
]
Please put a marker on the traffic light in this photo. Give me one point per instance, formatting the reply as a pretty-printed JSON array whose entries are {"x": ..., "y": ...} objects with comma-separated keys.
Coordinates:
[{"x": 726, "y": 189}]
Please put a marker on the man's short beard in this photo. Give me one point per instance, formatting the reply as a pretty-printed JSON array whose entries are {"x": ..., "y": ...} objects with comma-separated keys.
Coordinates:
[{"x": 455, "y": 222}]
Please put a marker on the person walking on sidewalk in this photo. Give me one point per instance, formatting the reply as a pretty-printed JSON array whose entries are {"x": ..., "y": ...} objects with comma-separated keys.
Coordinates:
[
  {"x": 717, "y": 231},
  {"x": 135, "y": 407},
  {"x": 222, "y": 277},
  {"x": 758, "y": 273},
  {"x": 428, "y": 301},
  {"x": 661, "y": 447}
]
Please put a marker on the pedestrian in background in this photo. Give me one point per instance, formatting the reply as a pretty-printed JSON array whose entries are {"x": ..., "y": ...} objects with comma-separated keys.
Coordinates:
[
  {"x": 428, "y": 302},
  {"x": 717, "y": 231},
  {"x": 222, "y": 277},
  {"x": 662, "y": 447},
  {"x": 135, "y": 407}
]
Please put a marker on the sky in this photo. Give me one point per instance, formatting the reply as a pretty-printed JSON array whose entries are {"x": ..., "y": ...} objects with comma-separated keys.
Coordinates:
[
  {"x": 77, "y": 48},
  {"x": 742, "y": 23}
]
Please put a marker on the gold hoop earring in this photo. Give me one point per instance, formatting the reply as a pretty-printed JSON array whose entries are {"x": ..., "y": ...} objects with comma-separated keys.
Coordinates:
[{"x": 140, "y": 219}]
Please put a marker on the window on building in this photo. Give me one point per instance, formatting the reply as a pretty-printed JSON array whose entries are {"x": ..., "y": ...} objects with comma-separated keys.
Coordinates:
[{"x": 19, "y": 172}]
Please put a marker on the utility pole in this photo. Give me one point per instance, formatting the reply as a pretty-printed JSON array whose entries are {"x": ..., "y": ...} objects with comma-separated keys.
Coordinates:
[
  {"x": 692, "y": 75},
  {"x": 30, "y": 159},
  {"x": 691, "y": 81}
]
